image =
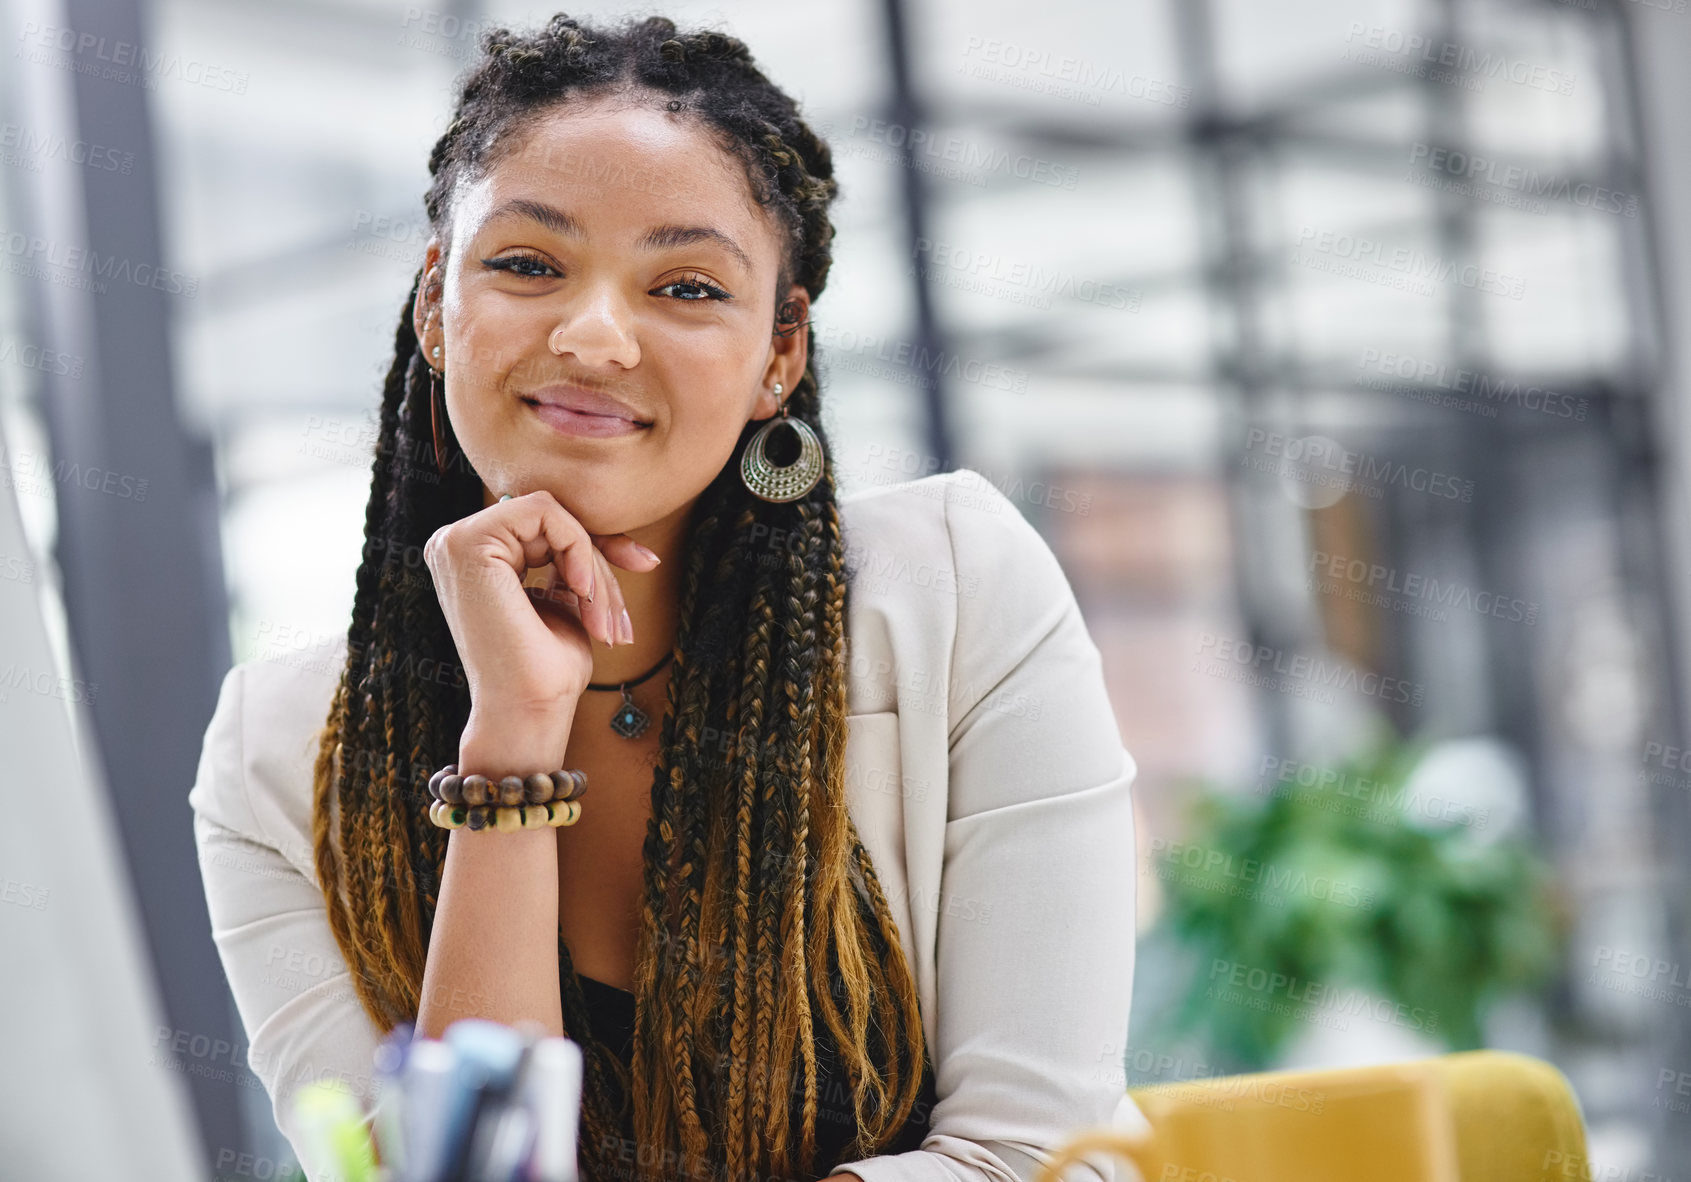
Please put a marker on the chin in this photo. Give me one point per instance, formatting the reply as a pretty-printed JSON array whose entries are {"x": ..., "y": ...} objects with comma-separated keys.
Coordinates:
[{"x": 601, "y": 510}]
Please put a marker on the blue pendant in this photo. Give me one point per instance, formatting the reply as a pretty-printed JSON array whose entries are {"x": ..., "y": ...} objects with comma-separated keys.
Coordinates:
[{"x": 629, "y": 721}]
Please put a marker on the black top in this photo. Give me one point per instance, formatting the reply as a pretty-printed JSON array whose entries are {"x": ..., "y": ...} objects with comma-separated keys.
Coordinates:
[{"x": 611, "y": 1011}]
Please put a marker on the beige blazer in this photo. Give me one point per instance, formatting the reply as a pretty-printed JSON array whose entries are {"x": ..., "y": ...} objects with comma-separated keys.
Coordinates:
[{"x": 987, "y": 779}]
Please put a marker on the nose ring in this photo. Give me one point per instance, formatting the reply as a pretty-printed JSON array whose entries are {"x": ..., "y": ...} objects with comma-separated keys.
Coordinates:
[{"x": 552, "y": 342}]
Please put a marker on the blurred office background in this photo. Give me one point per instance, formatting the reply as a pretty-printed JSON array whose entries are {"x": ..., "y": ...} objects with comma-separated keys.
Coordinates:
[{"x": 1336, "y": 346}]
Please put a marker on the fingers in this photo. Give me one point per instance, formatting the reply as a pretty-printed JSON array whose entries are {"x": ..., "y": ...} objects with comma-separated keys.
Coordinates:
[
  {"x": 600, "y": 612},
  {"x": 562, "y": 542},
  {"x": 554, "y": 591},
  {"x": 625, "y": 552},
  {"x": 571, "y": 552},
  {"x": 583, "y": 562},
  {"x": 558, "y": 600},
  {"x": 607, "y": 598}
]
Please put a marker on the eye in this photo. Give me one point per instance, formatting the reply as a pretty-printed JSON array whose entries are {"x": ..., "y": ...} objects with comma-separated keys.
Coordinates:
[
  {"x": 699, "y": 283},
  {"x": 528, "y": 266}
]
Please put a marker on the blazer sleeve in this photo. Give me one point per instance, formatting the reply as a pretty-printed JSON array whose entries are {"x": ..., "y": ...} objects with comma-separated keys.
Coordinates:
[
  {"x": 1036, "y": 926},
  {"x": 303, "y": 1022}
]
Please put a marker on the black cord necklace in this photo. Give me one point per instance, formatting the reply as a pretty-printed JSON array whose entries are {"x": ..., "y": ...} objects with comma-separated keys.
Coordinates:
[{"x": 629, "y": 720}]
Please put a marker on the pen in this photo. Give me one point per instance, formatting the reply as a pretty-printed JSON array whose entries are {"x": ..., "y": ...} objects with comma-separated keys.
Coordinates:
[
  {"x": 503, "y": 1135},
  {"x": 434, "y": 1109},
  {"x": 551, "y": 1090},
  {"x": 485, "y": 1103},
  {"x": 487, "y": 1054}
]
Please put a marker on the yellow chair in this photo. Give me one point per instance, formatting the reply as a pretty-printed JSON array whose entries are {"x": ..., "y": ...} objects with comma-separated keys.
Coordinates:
[{"x": 1474, "y": 1116}]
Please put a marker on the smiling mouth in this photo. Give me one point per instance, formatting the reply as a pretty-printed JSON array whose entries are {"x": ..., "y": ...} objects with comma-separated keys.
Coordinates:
[{"x": 586, "y": 414}]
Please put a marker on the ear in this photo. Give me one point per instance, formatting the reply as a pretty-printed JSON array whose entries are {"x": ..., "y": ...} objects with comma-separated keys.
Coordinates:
[
  {"x": 426, "y": 311},
  {"x": 789, "y": 351}
]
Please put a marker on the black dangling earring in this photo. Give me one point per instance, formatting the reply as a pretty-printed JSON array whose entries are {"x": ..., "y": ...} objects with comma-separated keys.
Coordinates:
[{"x": 437, "y": 415}]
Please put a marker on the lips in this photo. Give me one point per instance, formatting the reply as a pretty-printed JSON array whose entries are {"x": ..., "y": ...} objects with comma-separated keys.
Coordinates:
[{"x": 585, "y": 402}]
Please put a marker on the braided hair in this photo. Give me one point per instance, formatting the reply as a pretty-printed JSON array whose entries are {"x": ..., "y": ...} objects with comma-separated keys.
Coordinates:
[{"x": 761, "y": 910}]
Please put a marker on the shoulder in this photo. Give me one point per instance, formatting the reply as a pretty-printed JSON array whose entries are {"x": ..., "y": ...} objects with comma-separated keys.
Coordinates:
[
  {"x": 958, "y": 516},
  {"x": 953, "y": 560},
  {"x": 260, "y": 748}
]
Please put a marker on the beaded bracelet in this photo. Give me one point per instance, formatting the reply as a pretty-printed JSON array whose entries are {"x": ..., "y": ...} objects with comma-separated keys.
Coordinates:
[{"x": 513, "y": 803}]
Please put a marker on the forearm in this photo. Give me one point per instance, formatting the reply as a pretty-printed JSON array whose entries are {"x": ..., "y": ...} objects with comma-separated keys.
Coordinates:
[{"x": 493, "y": 950}]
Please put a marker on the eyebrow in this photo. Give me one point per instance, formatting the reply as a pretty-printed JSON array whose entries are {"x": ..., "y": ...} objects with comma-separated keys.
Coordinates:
[{"x": 662, "y": 237}]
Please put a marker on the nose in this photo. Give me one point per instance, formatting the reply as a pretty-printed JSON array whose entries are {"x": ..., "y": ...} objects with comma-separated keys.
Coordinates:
[{"x": 597, "y": 327}]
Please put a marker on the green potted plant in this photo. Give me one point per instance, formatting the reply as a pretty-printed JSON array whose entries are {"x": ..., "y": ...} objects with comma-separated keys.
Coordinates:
[{"x": 1325, "y": 897}]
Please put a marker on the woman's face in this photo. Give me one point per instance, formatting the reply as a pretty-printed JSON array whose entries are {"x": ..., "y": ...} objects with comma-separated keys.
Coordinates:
[{"x": 616, "y": 251}]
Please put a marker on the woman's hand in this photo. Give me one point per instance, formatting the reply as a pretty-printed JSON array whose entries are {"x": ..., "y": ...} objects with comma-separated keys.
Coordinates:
[{"x": 526, "y": 650}]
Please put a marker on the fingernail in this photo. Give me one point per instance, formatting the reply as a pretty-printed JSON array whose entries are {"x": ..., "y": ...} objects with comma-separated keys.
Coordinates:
[
  {"x": 625, "y": 627},
  {"x": 591, "y": 579},
  {"x": 647, "y": 552}
]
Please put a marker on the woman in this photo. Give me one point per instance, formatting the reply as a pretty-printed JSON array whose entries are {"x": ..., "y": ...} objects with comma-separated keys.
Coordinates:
[{"x": 565, "y": 543}]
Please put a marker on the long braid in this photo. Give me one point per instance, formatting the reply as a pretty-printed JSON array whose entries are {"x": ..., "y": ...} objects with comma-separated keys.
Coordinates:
[
  {"x": 761, "y": 909},
  {"x": 800, "y": 704},
  {"x": 750, "y": 720},
  {"x": 674, "y": 843}
]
